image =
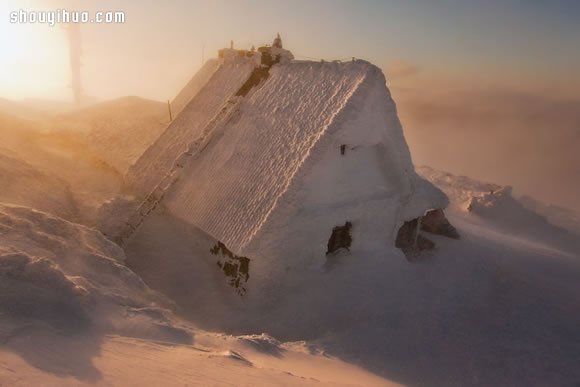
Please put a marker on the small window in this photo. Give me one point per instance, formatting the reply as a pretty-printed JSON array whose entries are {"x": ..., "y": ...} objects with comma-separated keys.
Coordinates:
[{"x": 340, "y": 238}]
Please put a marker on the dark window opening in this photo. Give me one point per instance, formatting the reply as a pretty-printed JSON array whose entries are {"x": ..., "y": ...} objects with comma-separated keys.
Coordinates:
[
  {"x": 340, "y": 238},
  {"x": 342, "y": 149},
  {"x": 235, "y": 268}
]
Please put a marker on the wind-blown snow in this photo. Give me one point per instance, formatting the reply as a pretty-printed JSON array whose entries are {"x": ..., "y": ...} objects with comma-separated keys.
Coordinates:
[
  {"x": 50, "y": 170},
  {"x": 497, "y": 206},
  {"x": 71, "y": 278},
  {"x": 118, "y": 131},
  {"x": 195, "y": 84},
  {"x": 559, "y": 216}
]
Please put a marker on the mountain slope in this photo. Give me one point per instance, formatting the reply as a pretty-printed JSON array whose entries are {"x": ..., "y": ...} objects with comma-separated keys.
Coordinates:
[
  {"x": 78, "y": 178},
  {"x": 119, "y": 131},
  {"x": 25, "y": 185}
]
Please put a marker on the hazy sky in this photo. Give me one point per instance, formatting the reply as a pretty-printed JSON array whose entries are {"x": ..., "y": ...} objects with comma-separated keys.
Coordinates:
[
  {"x": 516, "y": 43},
  {"x": 486, "y": 88}
]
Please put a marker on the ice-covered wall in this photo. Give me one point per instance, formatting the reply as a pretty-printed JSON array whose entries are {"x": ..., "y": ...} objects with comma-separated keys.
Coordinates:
[
  {"x": 233, "y": 185},
  {"x": 371, "y": 184}
]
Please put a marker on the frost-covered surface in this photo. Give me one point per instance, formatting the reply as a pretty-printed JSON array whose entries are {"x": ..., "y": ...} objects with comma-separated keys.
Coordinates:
[
  {"x": 289, "y": 130},
  {"x": 195, "y": 84},
  {"x": 493, "y": 308},
  {"x": 158, "y": 160}
]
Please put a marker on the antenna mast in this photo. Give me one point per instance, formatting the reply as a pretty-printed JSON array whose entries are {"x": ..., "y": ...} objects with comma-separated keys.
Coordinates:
[{"x": 74, "y": 35}]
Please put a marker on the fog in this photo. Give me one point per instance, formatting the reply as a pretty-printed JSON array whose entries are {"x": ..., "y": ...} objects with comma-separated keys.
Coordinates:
[{"x": 527, "y": 140}]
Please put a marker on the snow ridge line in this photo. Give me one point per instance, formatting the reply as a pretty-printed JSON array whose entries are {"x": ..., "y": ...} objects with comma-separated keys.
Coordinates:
[
  {"x": 319, "y": 135},
  {"x": 194, "y": 149}
]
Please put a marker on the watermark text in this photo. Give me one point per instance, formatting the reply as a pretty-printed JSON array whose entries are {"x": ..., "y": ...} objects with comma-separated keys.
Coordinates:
[{"x": 65, "y": 16}]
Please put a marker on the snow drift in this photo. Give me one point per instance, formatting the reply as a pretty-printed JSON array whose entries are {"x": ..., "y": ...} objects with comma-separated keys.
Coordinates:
[
  {"x": 496, "y": 205},
  {"x": 72, "y": 279}
]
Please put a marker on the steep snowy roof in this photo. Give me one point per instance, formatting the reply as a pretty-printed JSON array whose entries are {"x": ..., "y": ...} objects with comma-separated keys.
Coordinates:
[
  {"x": 218, "y": 86},
  {"x": 233, "y": 186}
]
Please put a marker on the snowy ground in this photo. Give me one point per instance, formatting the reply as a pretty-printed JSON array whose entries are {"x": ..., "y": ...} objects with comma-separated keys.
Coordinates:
[
  {"x": 490, "y": 309},
  {"x": 72, "y": 313},
  {"x": 495, "y": 308}
]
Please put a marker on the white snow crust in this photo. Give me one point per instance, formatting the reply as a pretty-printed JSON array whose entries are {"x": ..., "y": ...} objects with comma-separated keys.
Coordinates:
[{"x": 282, "y": 144}]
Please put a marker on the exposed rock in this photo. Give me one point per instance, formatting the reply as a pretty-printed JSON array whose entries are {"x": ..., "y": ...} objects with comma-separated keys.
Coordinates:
[
  {"x": 435, "y": 222},
  {"x": 411, "y": 242}
]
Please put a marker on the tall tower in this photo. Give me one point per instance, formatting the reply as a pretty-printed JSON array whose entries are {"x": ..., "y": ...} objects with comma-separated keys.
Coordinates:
[{"x": 74, "y": 36}]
